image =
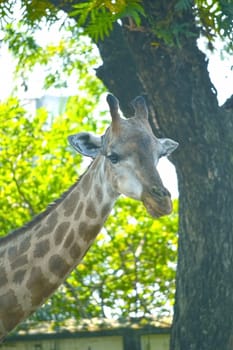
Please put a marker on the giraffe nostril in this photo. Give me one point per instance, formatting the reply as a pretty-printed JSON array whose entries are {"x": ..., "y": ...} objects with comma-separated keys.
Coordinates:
[
  {"x": 166, "y": 192},
  {"x": 156, "y": 192},
  {"x": 160, "y": 192}
]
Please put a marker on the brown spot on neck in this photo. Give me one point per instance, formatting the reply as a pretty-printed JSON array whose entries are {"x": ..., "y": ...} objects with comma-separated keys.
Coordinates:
[
  {"x": 91, "y": 210},
  {"x": 98, "y": 193},
  {"x": 3, "y": 277},
  {"x": 12, "y": 252},
  {"x": 49, "y": 225},
  {"x": 19, "y": 276},
  {"x": 79, "y": 211},
  {"x": 85, "y": 183},
  {"x": 69, "y": 239},
  {"x": 41, "y": 248},
  {"x": 88, "y": 231},
  {"x": 60, "y": 232},
  {"x": 11, "y": 311},
  {"x": 25, "y": 245},
  {"x": 58, "y": 266},
  {"x": 75, "y": 251},
  {"x": 70, "y": 203},
  {"x": 2, "y": 253},
  {"x": 20, "y": 261},
  {"x": 105, "y": 211},
  {"x": 39, "y": 286}
]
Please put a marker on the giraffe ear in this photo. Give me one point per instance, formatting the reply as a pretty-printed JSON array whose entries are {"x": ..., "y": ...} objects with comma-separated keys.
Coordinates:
[
  {"x": 167, "y": 146},
  {"x": 85, "y": 143}
]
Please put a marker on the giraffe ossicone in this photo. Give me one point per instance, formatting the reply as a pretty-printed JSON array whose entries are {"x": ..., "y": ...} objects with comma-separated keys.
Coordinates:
[{"x": 36, "y": 259}]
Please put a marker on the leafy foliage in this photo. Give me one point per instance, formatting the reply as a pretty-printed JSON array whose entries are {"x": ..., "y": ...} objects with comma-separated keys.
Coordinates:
[
  {"x": 212, "y": 19},
  {"x": 183, "y": 5},
  {"x": 31, "y": 12},
  {"x": 94, "y": 16},
  {"x": 215, "y": 18},
  {"x": 60, "y": 59},
  {"x": 97, "y": 17},
  {"x": 37, "y": 165}
]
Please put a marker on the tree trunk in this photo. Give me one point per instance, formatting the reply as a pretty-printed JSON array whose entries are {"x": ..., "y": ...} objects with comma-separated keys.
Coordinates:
[{"x": 183, "y": 105}]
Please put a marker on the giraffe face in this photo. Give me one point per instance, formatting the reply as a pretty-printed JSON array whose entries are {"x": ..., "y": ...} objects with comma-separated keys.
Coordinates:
[{"x": 130, "y": 153}]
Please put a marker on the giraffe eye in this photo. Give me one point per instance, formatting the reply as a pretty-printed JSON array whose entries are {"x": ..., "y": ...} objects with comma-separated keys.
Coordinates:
[{"x": 113, "y": 158}]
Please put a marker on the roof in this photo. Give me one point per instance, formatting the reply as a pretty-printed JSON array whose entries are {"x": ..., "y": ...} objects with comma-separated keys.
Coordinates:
[{"x": 90, "y": 328}]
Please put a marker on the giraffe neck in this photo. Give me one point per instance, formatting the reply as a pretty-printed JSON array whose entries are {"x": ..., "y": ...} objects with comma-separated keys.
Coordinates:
[{"x": 35, "y": 262}]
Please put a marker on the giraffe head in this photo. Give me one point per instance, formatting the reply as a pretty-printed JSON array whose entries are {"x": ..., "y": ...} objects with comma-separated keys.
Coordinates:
[{"x": 130, "y": 152}]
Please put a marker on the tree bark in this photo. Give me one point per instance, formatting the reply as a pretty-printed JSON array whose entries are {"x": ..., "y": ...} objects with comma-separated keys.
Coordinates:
[{"x": 183, "y": 105}]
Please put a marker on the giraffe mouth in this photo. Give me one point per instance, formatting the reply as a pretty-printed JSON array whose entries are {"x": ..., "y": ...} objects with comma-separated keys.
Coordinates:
[{"x": 158, "y": 207}]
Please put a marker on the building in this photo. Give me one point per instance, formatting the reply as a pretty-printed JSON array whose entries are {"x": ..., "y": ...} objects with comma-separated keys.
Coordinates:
[{"x": 94, "y": 335}]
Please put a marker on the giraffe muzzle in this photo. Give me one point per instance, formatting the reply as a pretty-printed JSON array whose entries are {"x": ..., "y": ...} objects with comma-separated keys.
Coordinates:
[{"x": 157, "y": 202}]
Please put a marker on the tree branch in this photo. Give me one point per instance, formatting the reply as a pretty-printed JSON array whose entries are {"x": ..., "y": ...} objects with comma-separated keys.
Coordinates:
[
  {"x": 73, "y": 292},
  {"x": 228, "y": 105},
  {"x": 22, "y": 194}
]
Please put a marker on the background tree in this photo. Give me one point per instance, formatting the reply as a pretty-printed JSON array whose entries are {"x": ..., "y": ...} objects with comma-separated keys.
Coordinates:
[{"x": 155, "y": 53}]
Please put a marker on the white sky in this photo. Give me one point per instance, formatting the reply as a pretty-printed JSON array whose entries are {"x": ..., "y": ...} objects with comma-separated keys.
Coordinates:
[{"x": 221, "y": 74}]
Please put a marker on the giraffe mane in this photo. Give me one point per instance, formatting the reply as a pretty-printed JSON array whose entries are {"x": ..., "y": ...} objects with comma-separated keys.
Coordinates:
[{"x": 37, "y": 218}]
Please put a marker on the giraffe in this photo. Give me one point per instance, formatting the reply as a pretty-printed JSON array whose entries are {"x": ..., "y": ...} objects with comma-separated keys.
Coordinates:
[{"x": 36, "y": 259}]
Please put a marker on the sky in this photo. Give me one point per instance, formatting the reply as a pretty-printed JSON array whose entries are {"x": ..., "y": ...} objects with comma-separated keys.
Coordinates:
[{"x": 220, "y": 70}]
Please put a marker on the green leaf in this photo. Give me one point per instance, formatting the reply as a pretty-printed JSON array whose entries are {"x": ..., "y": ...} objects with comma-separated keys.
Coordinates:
[
  {"x": 98, "y": 17},
  {"x": 183, "y": 5}
]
